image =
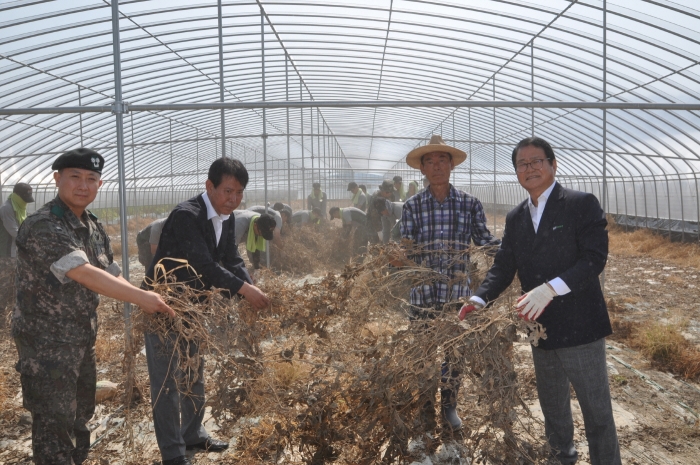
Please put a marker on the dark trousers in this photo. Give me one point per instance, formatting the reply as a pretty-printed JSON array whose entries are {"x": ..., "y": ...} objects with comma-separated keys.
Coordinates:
[
  {"x": 177, "y": 416},
  {"x": 583, "y": 367},
  {"x": 450, "y": 376},
  {"x": 58, "y": 388}
]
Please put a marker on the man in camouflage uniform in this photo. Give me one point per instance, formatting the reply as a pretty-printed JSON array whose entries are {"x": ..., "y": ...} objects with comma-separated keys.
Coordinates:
[{"x": 64, "y": 261}]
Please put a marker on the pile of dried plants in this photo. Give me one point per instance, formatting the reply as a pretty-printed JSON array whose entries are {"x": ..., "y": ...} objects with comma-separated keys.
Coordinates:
[{"x": 333, "y": 371}]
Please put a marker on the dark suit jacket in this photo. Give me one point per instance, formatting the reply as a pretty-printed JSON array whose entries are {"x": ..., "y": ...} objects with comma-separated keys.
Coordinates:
[
  {"x": 188, "y": 234},
  {"x": 571, "y": 243}
]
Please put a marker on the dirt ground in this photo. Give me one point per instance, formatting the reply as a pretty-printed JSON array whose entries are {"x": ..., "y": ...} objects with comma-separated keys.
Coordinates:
[{"x": 657, "y": 413}]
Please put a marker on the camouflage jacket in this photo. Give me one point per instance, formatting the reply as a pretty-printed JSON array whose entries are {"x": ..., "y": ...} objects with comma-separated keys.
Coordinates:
[{"x": 49, "y": 304}]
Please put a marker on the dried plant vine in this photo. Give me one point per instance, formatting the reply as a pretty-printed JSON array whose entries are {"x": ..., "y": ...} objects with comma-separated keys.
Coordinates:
[{"x": 333, "y": 371}]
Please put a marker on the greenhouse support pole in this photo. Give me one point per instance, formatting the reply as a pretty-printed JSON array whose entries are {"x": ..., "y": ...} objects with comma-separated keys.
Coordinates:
[
  {"x": 532, "y": 85},
  {"x": 454, "y": 144},
  {"x": 605, "y": 123},
  {"x": 471, "y": 155},
  {"x": 197, "y": 153},
  {"x": 221, "y": 81},
  {"x": 172, "y": 185},
  {"x": 311, "y": 136},
  {"x": 264, "y": 120},
  {"x": 697, "y": 203},
  {"x": 119, "y": 116},
  {"x": 289, "y": 161},
  {"x": 494, "y": 155},
  {"x": 303, "y": 170},
  {"x": 80, "y": 103}
]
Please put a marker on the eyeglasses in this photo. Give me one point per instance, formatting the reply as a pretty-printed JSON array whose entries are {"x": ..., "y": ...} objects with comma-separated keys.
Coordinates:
[{"x": 535, "y": 165}]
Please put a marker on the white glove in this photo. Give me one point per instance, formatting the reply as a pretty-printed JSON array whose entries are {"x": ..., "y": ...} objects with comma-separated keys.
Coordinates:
[{"x": 532, "y": 304}]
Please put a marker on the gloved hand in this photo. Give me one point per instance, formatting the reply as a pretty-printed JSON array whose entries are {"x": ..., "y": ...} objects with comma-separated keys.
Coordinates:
[
  {"x": 468, "y": 308},
  {"x": 532, "y": 304}
]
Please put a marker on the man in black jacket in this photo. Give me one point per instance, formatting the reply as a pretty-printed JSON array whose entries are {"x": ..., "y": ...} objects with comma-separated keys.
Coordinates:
[
  {"x": 557, "y": 243},
  {"x": 202, "y": 231}
]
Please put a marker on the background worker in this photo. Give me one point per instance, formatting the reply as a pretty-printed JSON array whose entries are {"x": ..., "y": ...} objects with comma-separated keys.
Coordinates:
[
  {"x": 279, "y": 222},
  {"x": 147, "y": 241},
  {"x": 280, "y": 207},
  {"x": 307, "y": 217},
  {"x": 412, "y": 189},
  {"x": 253, "y": 229},
  {"x": 375, "y": 220},
  {"x": 12, "y": 214},
  {"x": 317, "y": 199},
  {"x": 392, "y": 211},
  {"x": 355, "y": 224},
  {"x": 286, "y": 212},
  {"x": 359, "y": 199},
  {"x": 363, "y": 188},
  {"x": 440, "y": 223},
  {"x": 557, "y": 244},
  {"x": 64, "y": 264},
  {"x": 202, "y": 231},
  {"x": 399, "y": 192}
]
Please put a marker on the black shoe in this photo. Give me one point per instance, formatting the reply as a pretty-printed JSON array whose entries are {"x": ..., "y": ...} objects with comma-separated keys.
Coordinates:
[
  {"x": 209, "y": 445},
  {"x": 181, "y": 460}
]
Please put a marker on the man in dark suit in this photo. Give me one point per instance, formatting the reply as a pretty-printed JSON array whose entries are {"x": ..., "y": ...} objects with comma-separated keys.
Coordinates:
[
  {"x": 557, "y": 243},
  {"x": 200, "y": 230}
]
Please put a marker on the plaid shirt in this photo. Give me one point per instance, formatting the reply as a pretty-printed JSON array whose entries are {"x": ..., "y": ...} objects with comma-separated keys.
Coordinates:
[{"x": 443, "y": 232}]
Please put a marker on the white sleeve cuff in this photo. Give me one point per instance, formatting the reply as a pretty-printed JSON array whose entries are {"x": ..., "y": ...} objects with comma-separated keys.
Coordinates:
[
  {"x": 114, "y": 269},
  {"x": 477, "y": 300},
  {"x": 63, "y": 265},
  {"x": 559, "y": 286}
]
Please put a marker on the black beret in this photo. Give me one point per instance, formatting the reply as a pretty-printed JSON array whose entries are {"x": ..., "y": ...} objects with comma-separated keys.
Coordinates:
[{"x": 82, "y": 158}]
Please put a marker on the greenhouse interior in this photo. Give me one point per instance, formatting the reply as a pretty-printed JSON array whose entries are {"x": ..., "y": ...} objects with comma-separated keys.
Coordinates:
[
  {"x": 333, "y": 92},
  {"x": 338, "y": 92}
]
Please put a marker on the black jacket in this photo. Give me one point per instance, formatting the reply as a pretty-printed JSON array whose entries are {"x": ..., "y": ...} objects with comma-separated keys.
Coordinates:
[
  {"x": 189, "y": 235},
  {"x": 571, "y": 243}
]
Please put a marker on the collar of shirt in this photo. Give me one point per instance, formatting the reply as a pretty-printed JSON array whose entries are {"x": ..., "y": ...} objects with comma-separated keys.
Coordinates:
[
  {"x": 216, "y": 219},
  {"x": 536, "y": 211},
  {"x": 451, "y": 193}
]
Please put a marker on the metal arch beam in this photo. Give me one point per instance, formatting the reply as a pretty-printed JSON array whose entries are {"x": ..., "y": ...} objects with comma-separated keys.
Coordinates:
[{"x": 358, "y": 104}]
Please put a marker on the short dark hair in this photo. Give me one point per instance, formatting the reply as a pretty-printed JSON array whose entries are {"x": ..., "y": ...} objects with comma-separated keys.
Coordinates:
[
  {"x": 266, "y": 225},
  {"x": 227, "y": 167},
  {"x": 316, "y": 210},
  {"x": 363, "y": 187},
  {"x": 380, "y": 204},
  {"x": 279, "y": 206},
  {"x": 534, "y": 142},
  {"x": 316, "y": 185},
  {"x": 334, "y": 210}
]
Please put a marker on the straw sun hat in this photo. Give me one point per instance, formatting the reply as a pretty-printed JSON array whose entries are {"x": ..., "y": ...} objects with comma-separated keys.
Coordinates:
[{"x": 436, "y": 145}]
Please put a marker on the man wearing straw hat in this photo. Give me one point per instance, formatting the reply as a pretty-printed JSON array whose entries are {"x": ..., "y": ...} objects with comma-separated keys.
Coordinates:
[
  {"x": 64, "y": 264},
  {"x": 441, "y": 222}
]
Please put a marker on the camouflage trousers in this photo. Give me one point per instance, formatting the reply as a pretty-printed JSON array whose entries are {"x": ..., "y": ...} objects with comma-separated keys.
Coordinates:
[
  {"x": 7, "y": 287},
  {"x": 58, "y": 388}
]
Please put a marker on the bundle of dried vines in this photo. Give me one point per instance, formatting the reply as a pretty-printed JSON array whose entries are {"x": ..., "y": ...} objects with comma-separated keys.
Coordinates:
[{"x": 333, "y": 371}]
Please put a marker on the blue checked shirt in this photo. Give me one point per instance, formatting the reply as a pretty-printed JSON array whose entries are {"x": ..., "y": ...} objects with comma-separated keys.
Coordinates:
[{"x": 443, "y": 232}]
